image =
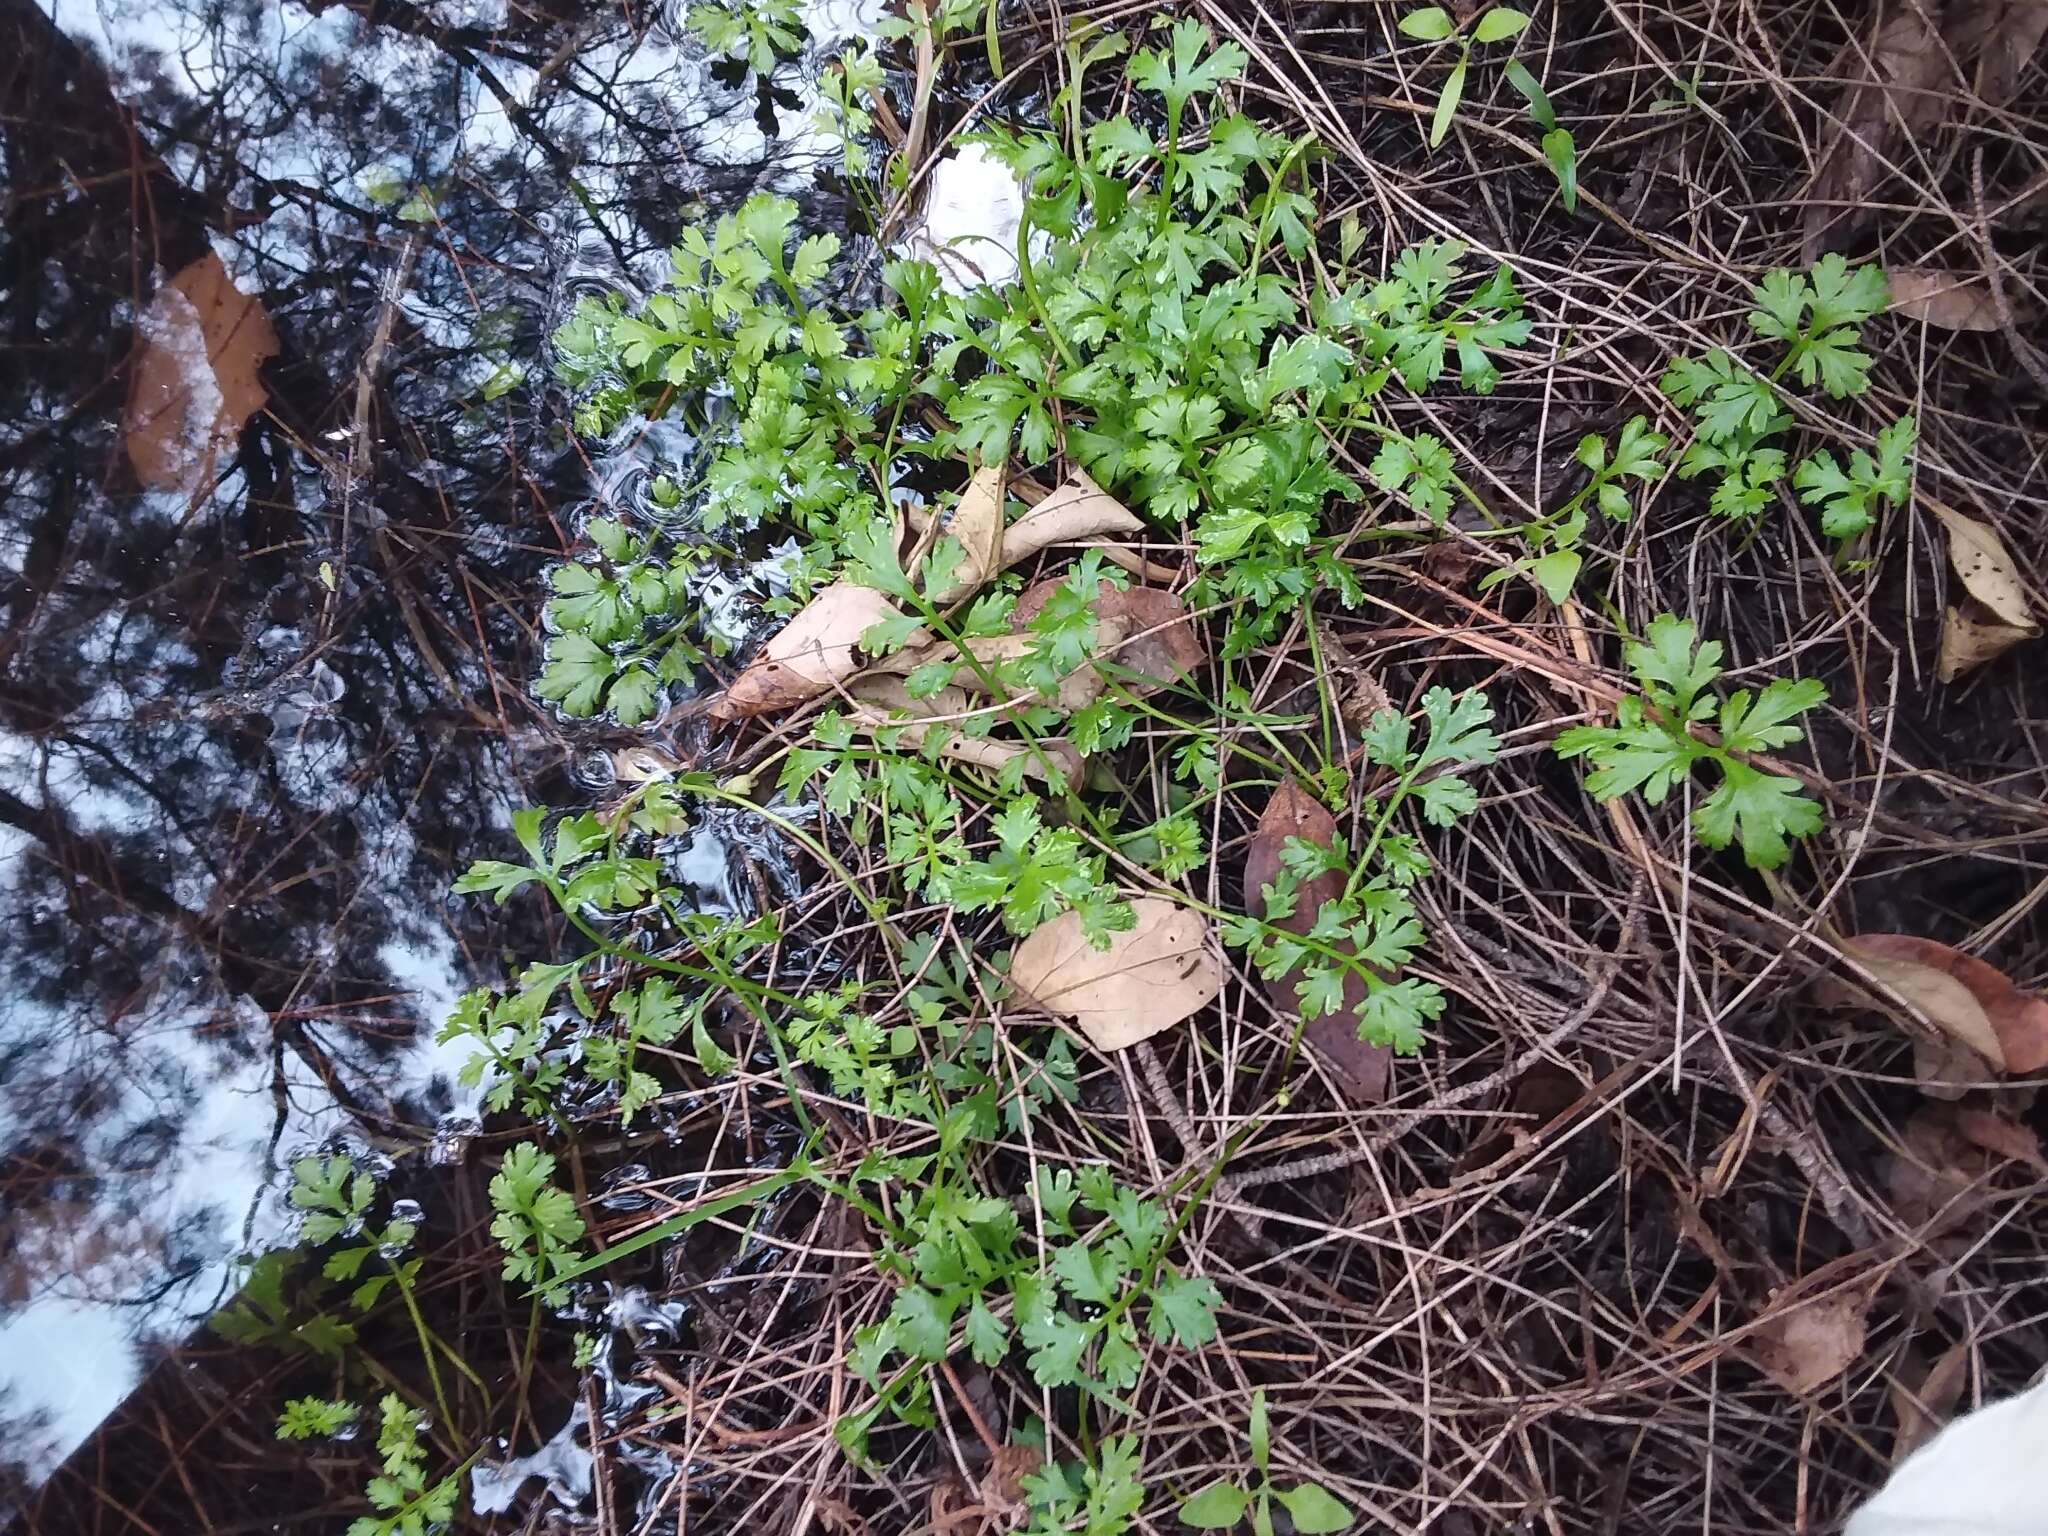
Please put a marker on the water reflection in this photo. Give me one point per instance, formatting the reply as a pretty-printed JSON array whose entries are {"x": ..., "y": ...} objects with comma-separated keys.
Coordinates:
[{"x": 249, "y": 730}]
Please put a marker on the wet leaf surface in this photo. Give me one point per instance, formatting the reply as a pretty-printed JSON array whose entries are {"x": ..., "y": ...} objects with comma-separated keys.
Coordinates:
[{"x": 201, "y": 347}]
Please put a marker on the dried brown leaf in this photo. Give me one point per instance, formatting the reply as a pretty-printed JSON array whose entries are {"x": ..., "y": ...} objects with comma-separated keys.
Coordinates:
[
  {"x": 2003, "y": 34},
  {"x": 1358, "y": 1069},
  {"x": 1895, "y": 92},
  {"x": 2018, "y": 1019},
  {"x": 1987, "y": 570},
  {"x": 1152, "y": 976},
  {"x": 1970, "y": 637},
  {"x": 1933, "y": 1175},
  {"x": 1078, "y": 510},
  {"x": 1922, "y": 1400},
  {"x": 977, "y": 522},
  {"x": 1935, "y": 996},
  {"x": 1945, "y": 300},
  {"x": 202, "y": 344},
  {"x": 814, "y": 651},
  {"x": 1808, "y": 1344},
  {"x": 1161, "y": 644},
  {"x": 1987, "y": 1128}
]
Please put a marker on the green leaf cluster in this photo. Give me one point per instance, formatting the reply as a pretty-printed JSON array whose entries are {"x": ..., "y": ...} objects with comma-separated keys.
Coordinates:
[
  {"x": 1370, "y": 930},
  {"x": 1554, "y": 560},
  {"x": 536, "y": 1224},
  {"x": 1652, "y": 749},
  {"x": 409, "y": 1505},
  {"x": 759, "y": 33}
]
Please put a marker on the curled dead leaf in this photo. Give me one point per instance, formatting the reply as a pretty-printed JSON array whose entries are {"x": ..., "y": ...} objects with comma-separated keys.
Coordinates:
[
  {"x": 1807, "y": 1344},
  {"x": 1154, "y": 974},
  {"x": 977, "y": 522},
  {"x": 202, "y": 344},
  {"x": 1937, "y": 998},
  {"x": 814, "y": 651},
  {"x": 1945, "y": 300},
  {"x": 1894, "y": 93},
  {"x": 1077, "y": 510},
  {"x": 1160, "y": 644},
  {"x": 2018, "y": 1019},
  {"x": 1359, "y": 1070}
]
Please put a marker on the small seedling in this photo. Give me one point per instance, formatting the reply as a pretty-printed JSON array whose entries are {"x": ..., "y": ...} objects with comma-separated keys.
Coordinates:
[
  {"x": 1651, "y": 746},
  {"x": 1311, "y": 1508},
  {"x": 1434, "y": 24}
]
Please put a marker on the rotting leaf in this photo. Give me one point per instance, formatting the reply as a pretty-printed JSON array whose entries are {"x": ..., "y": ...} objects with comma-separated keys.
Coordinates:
[
  {"x": 1894, "y": 94},
  {"x": 976, "y": 521},
  {"x": 202, "y": 344},
  {"x": 1997, "y": 614},
  {"x": 1987, "y": 1128},
  {"x": 1154, "y": 974},
  {"x": 1358, "y": 1069},
  {"x": 2003, "y": 34},
  {"x": 2018, "y": 1019},
  {"x": 1077, "y": 511},
  {"x": 815, "y": 650},
  {"x": 1805, "y": 1346},
  {"x": 1945, "y": 300},
  {"x": 1161, "y": 646}
]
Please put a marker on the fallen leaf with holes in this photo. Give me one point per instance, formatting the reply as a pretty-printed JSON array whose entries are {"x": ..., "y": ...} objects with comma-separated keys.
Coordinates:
[
  {"x": 1894, "y": 95},
  {"x": 976, "y": 521},
  {"x": 1077, "y": 511},
  {"x": 1945, "y": 300},
  {"x": 1997, "y": 614},
  {"x": 1923, "y": 1399},
  {"x": 1808, "y": 1344},
  {"x": 202, "y": 344},
  {"x": 1153, "y": 975},
  {"x": 2018, "y": 1019},
  {"x": 1359, "y": 1070},
  {"x": 809, "y": 655},
  {"x": 1160, "y": 644},
  {"x": 1934, "y": 997},
  {"x": 1969, "y": 640}
]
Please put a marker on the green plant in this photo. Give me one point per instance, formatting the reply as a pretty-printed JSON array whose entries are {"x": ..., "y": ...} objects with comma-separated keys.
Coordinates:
[
  {"x": 1739, "y": 414},
  {"x": 1311, "y": 1508},
  {"x": 411, "y": 1506},
  {"x": 1369, "y": 932},
  {"x": 622, "y": 626},
  {"x": 1652, "y": 747},
  {"x": 1554, "y": 560},
  {"x": 1560, "y": 150},
  {"x": 759, "y": 33},
  {"x": 536, "y": 1224},
  {"x": 1079, "y": 1498},
  {"x": 1434, "y": 24},
  {"x": 315, "y": 1418}
]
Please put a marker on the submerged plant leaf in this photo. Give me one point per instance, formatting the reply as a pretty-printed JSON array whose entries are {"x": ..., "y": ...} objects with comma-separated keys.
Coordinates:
[{"x": 1154, "y": 974}]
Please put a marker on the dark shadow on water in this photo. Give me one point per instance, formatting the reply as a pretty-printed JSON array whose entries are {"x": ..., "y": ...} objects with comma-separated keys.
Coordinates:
[{"x": 250, "y": 731}]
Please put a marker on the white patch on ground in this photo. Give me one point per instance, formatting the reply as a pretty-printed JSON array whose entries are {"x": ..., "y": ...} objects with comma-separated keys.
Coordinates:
[{"x": 971, "y": 215}]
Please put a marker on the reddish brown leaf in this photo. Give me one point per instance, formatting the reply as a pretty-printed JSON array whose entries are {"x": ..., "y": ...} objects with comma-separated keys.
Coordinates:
[
  {"x": 1923, "y": 1399},
  {"x": 198, "y": 376},
  {"x": 1359, "y": 1069},
  {"x": 1162, "y": 644},
  {"x": 1987, "y": 1128},
  {"x": 2019, "y": 1019}
]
